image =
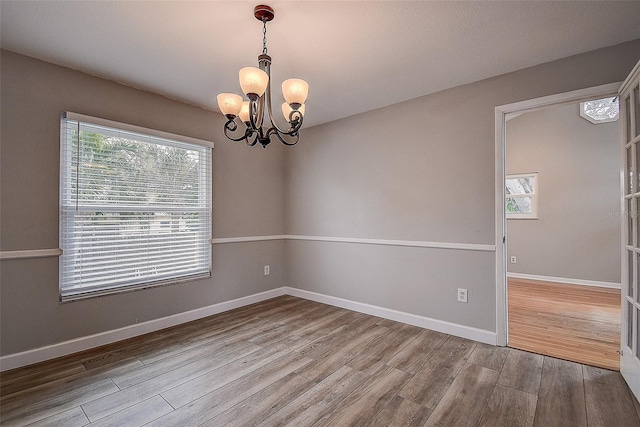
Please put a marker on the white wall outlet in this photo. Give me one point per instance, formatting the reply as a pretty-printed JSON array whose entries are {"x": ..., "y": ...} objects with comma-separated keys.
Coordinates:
[
  {"x": 267, "y": 270},
  {"x": 462, "y": 295},
  {"x": 513, "y": 260}
]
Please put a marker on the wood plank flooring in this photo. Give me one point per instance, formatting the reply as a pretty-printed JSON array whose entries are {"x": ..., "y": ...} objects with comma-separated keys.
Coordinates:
[
  {"x": 293, "y": 362},
  {"x": 572, "y": 322}
]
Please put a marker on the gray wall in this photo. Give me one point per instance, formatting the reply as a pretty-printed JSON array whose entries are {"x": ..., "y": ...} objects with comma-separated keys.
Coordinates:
[
  {"x": 419, "y": 170},
  {"x": 248, "y": 199},
  {"x": 577, "y": 235}
]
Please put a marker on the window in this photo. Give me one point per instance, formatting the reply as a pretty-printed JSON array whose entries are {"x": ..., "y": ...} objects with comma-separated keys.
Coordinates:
[
  {"x": 135, "y": 207},
  {"x": 522, "y": 196},
  {"x": 600, "y": 110}
]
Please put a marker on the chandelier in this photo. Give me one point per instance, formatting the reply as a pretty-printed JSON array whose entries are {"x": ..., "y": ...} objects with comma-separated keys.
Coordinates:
[{"x": 256, "y": 85}]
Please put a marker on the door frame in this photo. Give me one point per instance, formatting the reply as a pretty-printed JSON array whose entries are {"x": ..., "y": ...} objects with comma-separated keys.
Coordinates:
[
  {"x": 629, "y": 354},
  {"x": 502, "y": 113}
]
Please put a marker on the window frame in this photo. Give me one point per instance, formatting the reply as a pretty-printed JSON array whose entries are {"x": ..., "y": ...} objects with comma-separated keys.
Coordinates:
[
  {"x": 68, "y": 294},
  {"x": 533, "y": 196}
]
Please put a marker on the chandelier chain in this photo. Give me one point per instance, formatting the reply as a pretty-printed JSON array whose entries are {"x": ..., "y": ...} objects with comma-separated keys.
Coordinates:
[{"x": 264, "y": 37}]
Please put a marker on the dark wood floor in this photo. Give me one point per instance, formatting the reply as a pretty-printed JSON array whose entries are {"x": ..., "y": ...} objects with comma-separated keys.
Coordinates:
[
  {"x": 572, "y": 322},
  {"x": 288, "y": 361}
]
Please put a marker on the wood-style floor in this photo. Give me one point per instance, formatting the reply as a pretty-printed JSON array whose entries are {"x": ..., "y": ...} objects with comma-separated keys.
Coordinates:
[
  {"x": 288, "y": 361},
  {"x": 572, "y": 322}
]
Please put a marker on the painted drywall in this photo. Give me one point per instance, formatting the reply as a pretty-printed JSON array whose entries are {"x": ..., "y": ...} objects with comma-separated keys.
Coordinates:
[
  {"x": 420, "y": 170},
  {"x": 248, "y": 200},
  {"x": 577, "y": 233}
]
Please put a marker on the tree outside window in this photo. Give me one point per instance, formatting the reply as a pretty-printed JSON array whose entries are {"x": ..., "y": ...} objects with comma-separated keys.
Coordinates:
[{"x": 521, "y": 196}]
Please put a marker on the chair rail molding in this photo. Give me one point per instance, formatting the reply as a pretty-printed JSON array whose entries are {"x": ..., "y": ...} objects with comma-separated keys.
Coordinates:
[{"x": 30, "y": 253}]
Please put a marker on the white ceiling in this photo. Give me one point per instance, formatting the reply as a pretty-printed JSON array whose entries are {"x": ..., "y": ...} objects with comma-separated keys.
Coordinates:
[{"x": 356, "y": 56}]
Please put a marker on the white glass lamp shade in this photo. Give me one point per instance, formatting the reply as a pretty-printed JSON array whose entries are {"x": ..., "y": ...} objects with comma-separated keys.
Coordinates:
[
  {"x": 295, "y": 91},
  {"x": 286, "y": 110},
  {"x": 229, "y": 104},
  {"x": 253, "y": 82},
  {"x": 244, "y": 111}
]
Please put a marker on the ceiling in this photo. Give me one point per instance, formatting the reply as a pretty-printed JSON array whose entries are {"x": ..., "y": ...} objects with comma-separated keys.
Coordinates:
[{"x": 356, "y": 56}]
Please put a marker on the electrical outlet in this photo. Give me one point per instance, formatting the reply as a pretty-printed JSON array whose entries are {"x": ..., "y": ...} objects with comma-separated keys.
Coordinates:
[
  {"x": 462, "y": 295},
  {"x": 266, "y": 270},
  {"x": 513, "y": 260}
]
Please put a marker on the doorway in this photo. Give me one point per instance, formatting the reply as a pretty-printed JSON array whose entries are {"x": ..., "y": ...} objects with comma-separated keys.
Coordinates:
[
  {"x": 563, "y": 237},
  {"x": 503, "y": 115}
]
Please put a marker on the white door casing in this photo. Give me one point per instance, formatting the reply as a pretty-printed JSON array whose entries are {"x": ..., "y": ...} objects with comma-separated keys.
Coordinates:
[{"x": 503, "y": 112}]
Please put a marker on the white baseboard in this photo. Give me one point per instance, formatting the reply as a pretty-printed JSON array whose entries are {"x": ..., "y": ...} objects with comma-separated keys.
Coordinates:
[
  {"x": 30, "y": 357},
  {"x": 565, "y": 280},
  {"x": 65, "y": 348},
  {"x": 481, "y": 335}
]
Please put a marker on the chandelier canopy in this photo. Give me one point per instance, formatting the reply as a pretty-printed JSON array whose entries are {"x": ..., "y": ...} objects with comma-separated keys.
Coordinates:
[{"x": 256, "y": 85}]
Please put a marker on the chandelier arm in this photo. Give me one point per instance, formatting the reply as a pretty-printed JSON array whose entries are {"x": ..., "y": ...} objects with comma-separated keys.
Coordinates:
[
  {"x": 260, "y": 112},
  {"x": 295, "y": 121},
  {"x": 252, "y": 115},
  {"x": 274, "y": 125},
  {"x": 265, "y": 65},
  {"x": 256, "y": 109},
  {"x": 232, "y": 126},
  {"x": 274, "y": 131},
  {"x": 247, "y": 138}
]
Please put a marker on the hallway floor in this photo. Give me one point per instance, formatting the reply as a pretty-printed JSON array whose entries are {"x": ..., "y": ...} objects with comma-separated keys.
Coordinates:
[{"x": 572, "y": 322}]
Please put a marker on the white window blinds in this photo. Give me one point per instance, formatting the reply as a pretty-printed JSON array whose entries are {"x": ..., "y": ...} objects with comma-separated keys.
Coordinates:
[{"x": 135, "y": 207}]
